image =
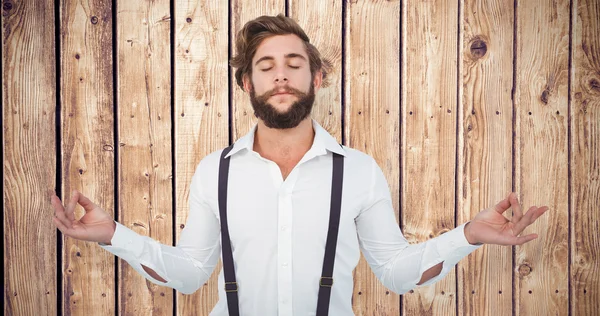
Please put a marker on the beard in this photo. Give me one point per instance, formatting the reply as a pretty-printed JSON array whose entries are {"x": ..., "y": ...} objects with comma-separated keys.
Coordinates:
[{"x": 272, "y": 118}]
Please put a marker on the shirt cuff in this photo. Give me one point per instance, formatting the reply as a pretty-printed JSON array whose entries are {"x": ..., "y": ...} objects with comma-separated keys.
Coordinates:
[
  {"x": 125, "y": 243},
  {"x": 452, "y": 246}
]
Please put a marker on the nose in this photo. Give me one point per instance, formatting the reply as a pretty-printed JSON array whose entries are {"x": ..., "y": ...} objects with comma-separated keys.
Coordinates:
[{"x": 281, "y": 78}]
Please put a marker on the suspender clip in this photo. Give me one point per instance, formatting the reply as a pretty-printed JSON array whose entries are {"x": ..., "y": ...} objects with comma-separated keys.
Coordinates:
[
  {"x": 231, "y": 287},
  {"x": 326, "y": 282}
]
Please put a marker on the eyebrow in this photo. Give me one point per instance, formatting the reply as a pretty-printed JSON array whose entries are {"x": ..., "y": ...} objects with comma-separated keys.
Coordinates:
[{"x": 290, "y": 55}]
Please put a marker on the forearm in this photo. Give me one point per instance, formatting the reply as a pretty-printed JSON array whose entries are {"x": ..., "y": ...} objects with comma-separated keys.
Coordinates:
[
  {"x": 153, "y": 274},
  {"x": 431, "y": 273},
  {"x": 163, "y": 264}
]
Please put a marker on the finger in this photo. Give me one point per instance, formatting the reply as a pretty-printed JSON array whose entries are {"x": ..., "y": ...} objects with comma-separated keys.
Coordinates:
[
  {"x": 60, "y": 212},
  {"x": 516, "y": 208},
  {"x": 60, "y": 225},
  {"x": 86, "y": 203},
  {"x": 503, "y": 205},
  {"x": 56, "y": 204},
  {"x": 524, "y": 221},
  {"x": 523, "y": 239},
  {"x": 70, "y": 210},
  {"x": 529, "y": 218},
  {"x": 539, "y": 212}
]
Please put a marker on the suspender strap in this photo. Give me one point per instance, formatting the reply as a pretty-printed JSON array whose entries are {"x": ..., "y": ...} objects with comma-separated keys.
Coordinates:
[
  {"x": 326, "y": 281},
  {"x": 231, "y": 286}
]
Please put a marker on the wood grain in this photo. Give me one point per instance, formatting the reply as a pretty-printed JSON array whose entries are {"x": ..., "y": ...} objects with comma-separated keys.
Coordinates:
[
  {"x": 541, "y": 154},
  {"x": 29, "y": 157},
  {"x": 242, "y": 114},
  {"x": 372, "y": 118},
  {"x": 144, "y": 127},
  {"x": 87, "y": 148},
  {"x": 585, "y": 158},
  {"x": 429, "y": 79},
  {"x": 201, "y": 113},
  {"x": 484, "y": 175},
  {"x": 311, "y": 16}
]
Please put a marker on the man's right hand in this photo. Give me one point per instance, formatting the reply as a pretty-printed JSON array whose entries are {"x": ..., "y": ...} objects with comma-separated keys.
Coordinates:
[{"x": 96, "y": 225}]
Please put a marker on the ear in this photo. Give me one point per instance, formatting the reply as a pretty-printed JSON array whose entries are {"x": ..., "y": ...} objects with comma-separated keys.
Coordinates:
[
  {"x": 318, "y": 80},
  {"x": 247, "y": 83}
]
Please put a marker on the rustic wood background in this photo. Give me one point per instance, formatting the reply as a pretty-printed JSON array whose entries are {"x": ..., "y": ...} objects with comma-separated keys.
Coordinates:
[{"x": 460, "y": 102}]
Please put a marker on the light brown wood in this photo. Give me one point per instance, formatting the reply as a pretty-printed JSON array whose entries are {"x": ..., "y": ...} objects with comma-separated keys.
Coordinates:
[
  {"x": 243, "y": 118},
  {"x": 372, "y": 119},
  {"x": 201, "y": 113},
  {"x": 429, "y": 60},
  {"x": 484, "y": 175},
  {"x": 87, "y": 148},
  {"x": 541, "y": 154},
  {"x": 585, "y": 158},
  {"x": 312, "y": 16},
  {"x": 29, "y": 157},
  {"x": 144, "y": 127}
]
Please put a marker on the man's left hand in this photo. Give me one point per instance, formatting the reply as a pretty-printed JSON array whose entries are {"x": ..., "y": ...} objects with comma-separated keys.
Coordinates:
[{"x": 491, "y": 227}]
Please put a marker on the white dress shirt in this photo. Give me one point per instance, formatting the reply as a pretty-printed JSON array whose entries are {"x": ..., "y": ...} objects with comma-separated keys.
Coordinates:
[{"x": 278, "y": 232}]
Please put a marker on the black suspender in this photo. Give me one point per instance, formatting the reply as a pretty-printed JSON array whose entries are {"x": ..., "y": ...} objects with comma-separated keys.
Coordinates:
[
  {"x": 231, "y": 286},
  {"x": 326, "y": 281}
]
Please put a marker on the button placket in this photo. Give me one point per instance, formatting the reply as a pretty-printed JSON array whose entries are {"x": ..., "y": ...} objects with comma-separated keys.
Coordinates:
[{"x": 285, "y": 244}]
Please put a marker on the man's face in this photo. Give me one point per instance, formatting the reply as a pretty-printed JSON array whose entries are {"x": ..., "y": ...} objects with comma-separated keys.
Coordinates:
[{"x": 281, "y": 88}]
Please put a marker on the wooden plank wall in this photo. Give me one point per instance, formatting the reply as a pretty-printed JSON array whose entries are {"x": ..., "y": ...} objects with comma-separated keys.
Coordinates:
[
  {"x": 459, "y": 102},
  {"x": 87, "y": 148}
]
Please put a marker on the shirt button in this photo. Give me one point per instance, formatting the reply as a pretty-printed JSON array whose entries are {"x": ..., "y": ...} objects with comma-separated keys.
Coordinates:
[
  {"x": 284, "y": 227},
  {"x": 285, "y": 264}
]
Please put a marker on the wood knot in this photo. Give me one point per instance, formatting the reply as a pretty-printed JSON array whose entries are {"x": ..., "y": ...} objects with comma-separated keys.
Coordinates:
[
  {"x": 595, "y": 84},
  {"x": 94, "y": 20},
  {"x": 524, "y": 269},
  {"x": 478, "y": 48},
  {"x": 545, "y": 95},
  {"x": 7, "y": 6},
  {"x": 107, "y": 148}
]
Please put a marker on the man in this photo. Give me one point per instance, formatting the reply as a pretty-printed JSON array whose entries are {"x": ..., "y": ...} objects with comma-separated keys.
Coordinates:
[{"x": 280, "y": 190}]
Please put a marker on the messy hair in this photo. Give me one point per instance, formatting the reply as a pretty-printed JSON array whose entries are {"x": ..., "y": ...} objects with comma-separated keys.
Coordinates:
[{"x": 255, "y": 31}]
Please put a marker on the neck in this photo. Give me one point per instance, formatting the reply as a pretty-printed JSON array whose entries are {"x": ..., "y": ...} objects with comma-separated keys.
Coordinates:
[{"x": 284, "y": 144}]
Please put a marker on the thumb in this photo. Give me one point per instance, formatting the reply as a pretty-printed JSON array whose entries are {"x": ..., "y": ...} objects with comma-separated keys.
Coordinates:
[{"x": 86, "y": 203}]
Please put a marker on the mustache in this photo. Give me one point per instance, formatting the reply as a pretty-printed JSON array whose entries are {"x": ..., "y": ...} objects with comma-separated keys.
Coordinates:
[{"x": 287, "y": 89}]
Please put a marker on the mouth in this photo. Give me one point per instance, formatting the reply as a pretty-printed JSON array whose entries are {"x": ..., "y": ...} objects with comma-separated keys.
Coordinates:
[{"x": 281, "y": 93}]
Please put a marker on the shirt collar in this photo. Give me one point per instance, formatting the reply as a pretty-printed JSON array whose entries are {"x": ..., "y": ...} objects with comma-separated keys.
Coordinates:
[{"x": 323, "y": 141}]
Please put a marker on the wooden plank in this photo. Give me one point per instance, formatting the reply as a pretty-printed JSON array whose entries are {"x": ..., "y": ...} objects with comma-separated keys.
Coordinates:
[
  {"x": 484, "y": 175},
  {"x": 372, "y": 118},
  {"x": 144, "y": 127},
  {"x": 29, "y": 157},
  {"x": 541, "y": 154},
  {"x": 201, "y": 113},
  {"x": 311, "y": 15},
  {"x": 243, "y": 11},
  {"x": 87, "y": 147},
  {"x": 585, "y": 158},
  {"x": 429, "y": 60}
]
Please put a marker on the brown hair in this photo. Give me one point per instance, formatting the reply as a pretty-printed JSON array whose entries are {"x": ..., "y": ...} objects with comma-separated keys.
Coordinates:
[{"x": 255, "y": 31}]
